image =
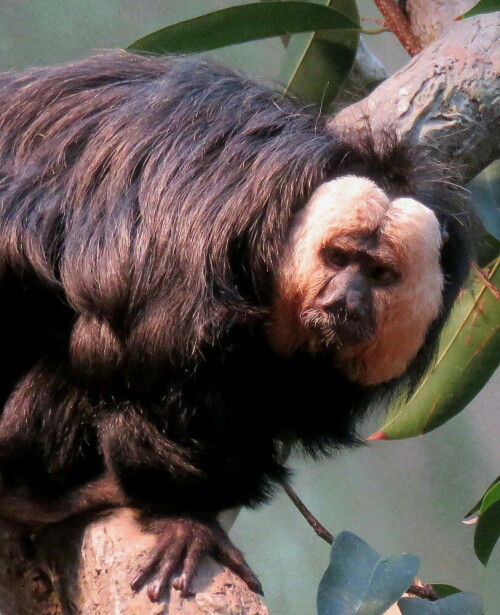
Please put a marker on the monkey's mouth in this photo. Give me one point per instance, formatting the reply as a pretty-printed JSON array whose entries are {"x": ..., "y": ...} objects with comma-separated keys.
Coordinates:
[{"x": 336, "y": 330}]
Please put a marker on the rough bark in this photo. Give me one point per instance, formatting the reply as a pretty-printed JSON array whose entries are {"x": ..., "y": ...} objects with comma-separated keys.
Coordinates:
[
  {"x": 84, "y": 566},
  {"x": 428, "y": 18},
  {"x": 447, "y": 97},
  {"x": 104, "y": 556}
]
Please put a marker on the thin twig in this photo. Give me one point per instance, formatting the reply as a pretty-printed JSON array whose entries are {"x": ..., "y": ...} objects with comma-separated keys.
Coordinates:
[
  {"x": 320, "y": 530},
  {"x": 374, "y": 31},
  {"x": 379, "y": 22},
  {"x": 425, "y": 592},
  {"x": 487, "y": 282},
  {"x": 397, "y": 23}
]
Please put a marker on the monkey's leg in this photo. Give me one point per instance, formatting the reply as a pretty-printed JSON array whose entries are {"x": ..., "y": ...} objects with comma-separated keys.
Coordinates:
[
  {"x": 180, "y": 501},
  {"x": 182, "y": 542},
  {"x": 20, "y": 505}
]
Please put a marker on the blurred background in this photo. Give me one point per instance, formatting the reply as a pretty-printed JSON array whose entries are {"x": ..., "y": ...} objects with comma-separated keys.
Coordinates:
[{"x": 406, "y": 496}]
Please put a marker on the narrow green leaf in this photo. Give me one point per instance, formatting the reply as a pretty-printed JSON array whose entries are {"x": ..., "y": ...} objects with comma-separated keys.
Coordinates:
[
  {"x": 464, "y": 603},
  {"x": 468, "y": 355},
  {"x": 483, "y": 6},
  {"x": 477, "y": 506},
  {"x": 358, "y": 581},
  {"x": 487, "y": 532},
  {"x": 316, "y": 64},
  {"x": 487, "y": 249},
  {"x": 490, "y": 497},
  {"x": 443, "y": 589},
  {"x": 240, "y": 24}
]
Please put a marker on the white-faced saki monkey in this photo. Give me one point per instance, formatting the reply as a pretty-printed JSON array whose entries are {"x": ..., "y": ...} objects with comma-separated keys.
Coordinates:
[{"x": 194, "y": 272}]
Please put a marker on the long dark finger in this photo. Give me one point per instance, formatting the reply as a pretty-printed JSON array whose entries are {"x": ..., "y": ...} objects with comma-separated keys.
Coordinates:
[
  {"x": 171, "y": 562},
  {"x": 228, "y": 555},
  {"x": 150, "y": 566},
  {"x": 184, "y": 581}
]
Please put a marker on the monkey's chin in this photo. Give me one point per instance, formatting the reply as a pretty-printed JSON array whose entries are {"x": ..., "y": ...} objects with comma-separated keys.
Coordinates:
[{"x": 324, "y": 332}]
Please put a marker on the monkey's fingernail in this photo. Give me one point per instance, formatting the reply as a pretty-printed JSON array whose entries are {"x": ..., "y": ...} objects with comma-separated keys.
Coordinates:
[
  {"x": 182, "y": 585},
  {"x": 256, "y": 587},
  {"x": 135, "y": 585},
  {"x": 153, "y": 592}
]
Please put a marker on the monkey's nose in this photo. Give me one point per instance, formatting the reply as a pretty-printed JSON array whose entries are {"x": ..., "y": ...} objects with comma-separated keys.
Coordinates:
[
  {"x": 353, "y": 319},
  {"x": 349, "y": 309},
  {"x": 336, "y": 307},
  {"x": 358, "y": 307}
]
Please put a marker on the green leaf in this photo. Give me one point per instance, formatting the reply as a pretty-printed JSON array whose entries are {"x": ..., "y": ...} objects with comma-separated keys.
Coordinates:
[
  {"x": 443, "y": 589},
  {"x": 490, "y": 497},
  {"x": 477, "y": 506},
  {"x": 483, "y": 6},
  {"x": 487, "y": 249},
  {"x": 465, "y": 603},
  {"x": 358, "y": 581},
  {"x": 485, "y": 196},
  {"x": 240, "y": 24},
  {"x": 316, "y": 64},
  {"x": 469, "y": 353},
  {"x": 487, "y": 532}
]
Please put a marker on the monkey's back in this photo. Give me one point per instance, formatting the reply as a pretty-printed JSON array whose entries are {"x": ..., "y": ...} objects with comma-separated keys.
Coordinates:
[{"x": 143, "y": 204}]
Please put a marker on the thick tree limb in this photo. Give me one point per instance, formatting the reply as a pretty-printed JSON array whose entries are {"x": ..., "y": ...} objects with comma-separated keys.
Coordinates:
[
  {"x": 428, "y": 18},
  {"x": 105, "y": 555},
  {"x": 84, "y": 567},
  {"x": 447, "y": 97}
]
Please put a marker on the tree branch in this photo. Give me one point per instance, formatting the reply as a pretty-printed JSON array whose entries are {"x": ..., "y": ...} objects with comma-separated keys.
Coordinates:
[
  {"x": 84, "y": 565},
  {"x": 320, "y": 529},
  {"x": 447, "y": 97},
  {"x": 397, "y": 23},
  {"x": 428, "y": 18}
]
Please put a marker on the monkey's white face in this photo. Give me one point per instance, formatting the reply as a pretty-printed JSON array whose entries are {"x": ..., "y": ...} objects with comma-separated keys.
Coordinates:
[{"x": 360, "y": 276}]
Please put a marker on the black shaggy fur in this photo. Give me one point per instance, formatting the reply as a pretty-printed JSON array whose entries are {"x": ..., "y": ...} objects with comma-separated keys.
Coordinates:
[{"x": 143, "y": 206}]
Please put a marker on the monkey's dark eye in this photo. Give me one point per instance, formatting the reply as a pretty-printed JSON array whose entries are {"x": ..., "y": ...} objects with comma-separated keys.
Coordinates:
[
  {"x": 382, "y": 275},
  {"x": 335, "y": 257}
]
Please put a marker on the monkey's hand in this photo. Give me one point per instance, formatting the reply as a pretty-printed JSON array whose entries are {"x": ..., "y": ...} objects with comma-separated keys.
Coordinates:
[{"x": 181, "y": 544}]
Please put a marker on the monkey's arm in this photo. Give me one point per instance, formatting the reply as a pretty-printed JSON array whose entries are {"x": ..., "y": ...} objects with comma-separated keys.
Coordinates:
[{"x": 160, "y": 477}]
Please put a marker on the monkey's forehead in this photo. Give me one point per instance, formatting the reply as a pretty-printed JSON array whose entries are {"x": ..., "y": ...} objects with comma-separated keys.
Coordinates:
[{"x": 353, "y": 205}]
